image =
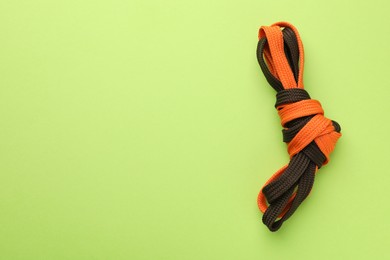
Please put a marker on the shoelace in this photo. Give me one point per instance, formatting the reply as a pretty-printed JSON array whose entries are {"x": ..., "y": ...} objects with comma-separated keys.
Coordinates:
[{"x": 310, "y": 136}]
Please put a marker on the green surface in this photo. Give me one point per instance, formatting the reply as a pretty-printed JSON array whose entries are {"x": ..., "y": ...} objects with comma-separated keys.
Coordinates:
[{"x": 145, "y": 129}]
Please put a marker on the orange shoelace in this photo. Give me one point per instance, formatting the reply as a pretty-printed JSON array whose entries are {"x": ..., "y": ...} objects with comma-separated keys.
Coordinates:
[{"x": 309, "y": 135}]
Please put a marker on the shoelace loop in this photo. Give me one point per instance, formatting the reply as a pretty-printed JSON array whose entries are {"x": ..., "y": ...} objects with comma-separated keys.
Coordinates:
[{"x": 310, "y": 136}]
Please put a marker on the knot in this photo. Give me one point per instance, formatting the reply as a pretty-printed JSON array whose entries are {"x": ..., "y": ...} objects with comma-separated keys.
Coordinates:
[
  {"x": 309, "y": 135},
  {"x": 304, "y": 122}
]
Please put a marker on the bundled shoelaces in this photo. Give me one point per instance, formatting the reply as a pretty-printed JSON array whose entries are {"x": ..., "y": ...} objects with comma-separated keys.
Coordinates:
[{"x": 309, "y": 135}]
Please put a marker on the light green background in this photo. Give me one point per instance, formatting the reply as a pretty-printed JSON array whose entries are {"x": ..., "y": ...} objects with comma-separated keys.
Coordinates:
[{"x": 145, "y": 129}]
